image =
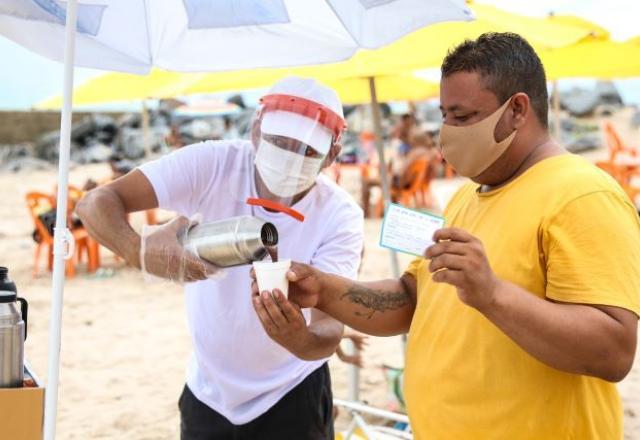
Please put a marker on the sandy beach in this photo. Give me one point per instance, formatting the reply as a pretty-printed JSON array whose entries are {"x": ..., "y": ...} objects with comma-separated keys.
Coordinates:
[{"x": 125, "y": 342}]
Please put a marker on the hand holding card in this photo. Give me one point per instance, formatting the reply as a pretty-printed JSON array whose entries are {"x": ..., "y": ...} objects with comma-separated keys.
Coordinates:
[{"x": 408, "y": 230}]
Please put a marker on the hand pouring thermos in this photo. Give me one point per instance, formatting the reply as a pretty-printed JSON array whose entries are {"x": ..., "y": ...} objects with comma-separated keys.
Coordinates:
[
  {"x": 233, "y": 241},
  {"x": 13, "y": 332}
]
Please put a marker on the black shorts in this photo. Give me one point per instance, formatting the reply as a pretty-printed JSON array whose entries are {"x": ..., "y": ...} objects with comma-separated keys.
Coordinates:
[{"x": 305, "y": 413}]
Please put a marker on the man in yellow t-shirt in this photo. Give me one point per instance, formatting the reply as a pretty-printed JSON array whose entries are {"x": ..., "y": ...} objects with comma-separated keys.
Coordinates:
[{"x": 524, "y": 312}]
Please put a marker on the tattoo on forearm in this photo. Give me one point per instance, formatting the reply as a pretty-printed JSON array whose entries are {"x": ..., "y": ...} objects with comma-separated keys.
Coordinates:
[{"x": 375, "y": 300}]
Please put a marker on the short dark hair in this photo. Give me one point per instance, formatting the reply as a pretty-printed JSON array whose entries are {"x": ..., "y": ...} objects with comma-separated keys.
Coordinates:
[{"x": 508, "y": 65}]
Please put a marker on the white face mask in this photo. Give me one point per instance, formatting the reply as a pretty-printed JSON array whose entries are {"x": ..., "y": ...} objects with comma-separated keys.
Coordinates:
[{"x": 286, "y": 173}]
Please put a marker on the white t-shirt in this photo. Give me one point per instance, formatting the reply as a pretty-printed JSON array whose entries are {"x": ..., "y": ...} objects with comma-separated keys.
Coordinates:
[{"x": 236, "y": 369}]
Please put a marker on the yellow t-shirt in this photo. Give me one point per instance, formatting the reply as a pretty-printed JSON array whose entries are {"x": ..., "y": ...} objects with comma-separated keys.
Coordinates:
[{"x": 563, "y": 230}]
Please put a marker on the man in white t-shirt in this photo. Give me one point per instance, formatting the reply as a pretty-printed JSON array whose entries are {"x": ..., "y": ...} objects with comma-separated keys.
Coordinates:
[{"x": 259, "y": 368}]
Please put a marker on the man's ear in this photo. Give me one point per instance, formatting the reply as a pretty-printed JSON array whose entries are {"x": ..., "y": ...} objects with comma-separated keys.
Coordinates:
[
  {"x": 334, "y": 152},
  {"x": 521, "y": 107}
]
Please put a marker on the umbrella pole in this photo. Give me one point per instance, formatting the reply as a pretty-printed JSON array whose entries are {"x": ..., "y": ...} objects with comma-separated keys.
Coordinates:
[
  {"x": 62, "y": 236},
  {"x": 384, "y": 180},
  {"x": 354, "y": 374},
  {"x": 556, "y": 112},
  {"x": 145, "y": 129}
]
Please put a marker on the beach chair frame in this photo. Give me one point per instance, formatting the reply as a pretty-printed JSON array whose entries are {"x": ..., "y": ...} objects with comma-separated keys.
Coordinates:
[{"x": 373, "y": 432}]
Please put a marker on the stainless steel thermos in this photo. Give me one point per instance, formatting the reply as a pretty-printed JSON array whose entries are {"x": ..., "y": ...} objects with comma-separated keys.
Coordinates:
[
  {"x": 232, "y": 242},
  {"x": 13, "y": 332}
]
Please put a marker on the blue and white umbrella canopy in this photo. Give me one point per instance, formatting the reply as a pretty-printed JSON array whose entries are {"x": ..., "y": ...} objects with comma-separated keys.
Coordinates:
[{"x": 212, "y": 35}]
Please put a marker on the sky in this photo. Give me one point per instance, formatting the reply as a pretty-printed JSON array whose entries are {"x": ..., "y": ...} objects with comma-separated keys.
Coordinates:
[{"x": 27, "y": 78}]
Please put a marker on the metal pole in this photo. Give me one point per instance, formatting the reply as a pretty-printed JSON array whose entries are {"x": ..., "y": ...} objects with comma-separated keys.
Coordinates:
[
  {"x": 376, "y": 412},
  {"x": 384, "y": 180},
  {"x": 354, "y": 374},
  {"x": 145, "y": 129},
  {"x": 384, "y": 184},
  {"x": 61, "y": 234}
]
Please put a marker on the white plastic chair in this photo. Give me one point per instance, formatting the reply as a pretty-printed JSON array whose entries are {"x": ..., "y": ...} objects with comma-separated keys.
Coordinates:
[{"x": 359, "y": 429}]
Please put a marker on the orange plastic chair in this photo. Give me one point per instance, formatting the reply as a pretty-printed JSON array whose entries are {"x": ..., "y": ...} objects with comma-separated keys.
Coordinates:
[
  {"x": 420, "y": 184},
  {"x": 624, "y": 175},
  {"x": 90, "y": 248},
  {"x": 39, "y": 203},
  {"x": 617, "y": 147},
  {"x": 417, "y": 194},
  {"x": 610, "y": 168}
]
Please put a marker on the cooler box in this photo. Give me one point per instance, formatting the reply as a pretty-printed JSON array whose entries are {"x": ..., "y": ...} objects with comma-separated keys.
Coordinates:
[{"x": 22, "y": 410}]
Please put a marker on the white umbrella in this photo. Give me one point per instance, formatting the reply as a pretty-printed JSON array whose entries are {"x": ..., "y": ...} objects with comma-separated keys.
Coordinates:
[
  {"x": 212, "y": 35},
  {"x": 193, "y": 35}
]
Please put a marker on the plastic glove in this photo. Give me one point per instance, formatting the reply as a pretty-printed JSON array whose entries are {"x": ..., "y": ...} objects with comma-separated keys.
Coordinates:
[{"x": 162, "y": 254}]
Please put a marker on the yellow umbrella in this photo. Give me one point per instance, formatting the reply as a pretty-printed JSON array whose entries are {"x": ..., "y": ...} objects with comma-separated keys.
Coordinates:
[
  {"x": 352, "y": 91},
  {"x": 595, "y": 31},
  {"x": 118, "y": 87},
  {"x": 594, "y": 58},
  {"x": 388, "y": 88},
  {"x": 160, "y": 84},
  {"x": 422, "y": 49},
  {"x": 427, "y": 47}
]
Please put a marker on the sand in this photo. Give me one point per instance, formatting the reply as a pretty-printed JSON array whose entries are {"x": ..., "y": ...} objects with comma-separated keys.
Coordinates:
[{"x": 125, "y": 342}]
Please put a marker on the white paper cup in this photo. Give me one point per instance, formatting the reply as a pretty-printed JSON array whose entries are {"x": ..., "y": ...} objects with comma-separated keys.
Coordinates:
[{"x": 272, "y": 276}]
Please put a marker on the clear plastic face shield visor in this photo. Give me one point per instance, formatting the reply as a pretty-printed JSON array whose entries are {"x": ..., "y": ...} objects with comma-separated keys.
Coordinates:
[{"x": 292, "y": 137}]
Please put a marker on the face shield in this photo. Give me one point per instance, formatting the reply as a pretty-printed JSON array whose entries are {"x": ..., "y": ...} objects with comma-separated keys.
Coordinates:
[{"x": 293, "y": 137}]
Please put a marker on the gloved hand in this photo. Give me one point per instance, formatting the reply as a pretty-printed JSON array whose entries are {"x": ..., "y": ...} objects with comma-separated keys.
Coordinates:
[{"x": 162, "y": 254}]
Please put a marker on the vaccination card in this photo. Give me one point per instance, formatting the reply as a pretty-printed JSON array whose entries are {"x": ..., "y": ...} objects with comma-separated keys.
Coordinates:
[{"x": 408, "y": 230}]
